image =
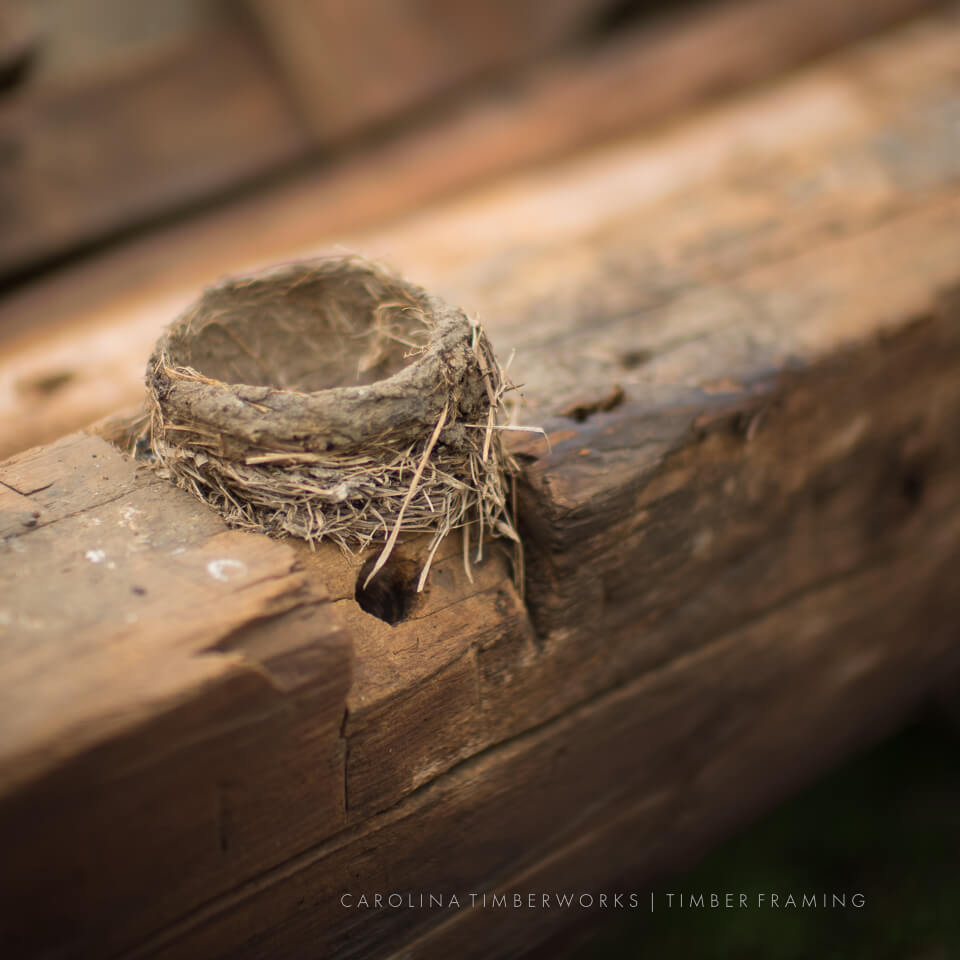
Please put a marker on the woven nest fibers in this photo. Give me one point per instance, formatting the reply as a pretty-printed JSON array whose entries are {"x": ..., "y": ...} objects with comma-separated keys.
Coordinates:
[{"x": 332, "y": 400}]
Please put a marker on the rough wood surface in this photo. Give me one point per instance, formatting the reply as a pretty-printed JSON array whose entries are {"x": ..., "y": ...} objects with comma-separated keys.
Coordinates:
[
  {"x": 177, "y": 681},
  {"x": 742, "y": 339}
]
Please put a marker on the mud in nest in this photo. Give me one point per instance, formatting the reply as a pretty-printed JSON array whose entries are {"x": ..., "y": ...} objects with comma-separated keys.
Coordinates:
[{"x": 332, "y": 400}]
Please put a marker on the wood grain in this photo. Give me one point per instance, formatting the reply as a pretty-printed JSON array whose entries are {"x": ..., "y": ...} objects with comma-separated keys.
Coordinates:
[{"x": 199, "y": 678}]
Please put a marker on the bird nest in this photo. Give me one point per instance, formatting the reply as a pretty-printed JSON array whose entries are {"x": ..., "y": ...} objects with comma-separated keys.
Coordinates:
[{"x": 332, "y": 400}]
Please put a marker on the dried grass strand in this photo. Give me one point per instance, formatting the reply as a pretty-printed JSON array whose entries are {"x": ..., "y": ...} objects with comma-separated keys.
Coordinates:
[{"x": 398, "y": 524}]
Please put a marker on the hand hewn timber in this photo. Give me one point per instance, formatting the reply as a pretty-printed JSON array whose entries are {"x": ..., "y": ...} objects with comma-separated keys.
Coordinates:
[{"x": 741, "y": 563}]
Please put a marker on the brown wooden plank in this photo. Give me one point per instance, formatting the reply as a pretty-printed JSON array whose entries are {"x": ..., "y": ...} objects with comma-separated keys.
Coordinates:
[{"x": 741, "y": 567}]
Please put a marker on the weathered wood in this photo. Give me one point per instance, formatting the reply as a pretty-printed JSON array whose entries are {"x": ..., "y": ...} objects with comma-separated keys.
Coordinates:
[
  {"x": 199, "y": 677},
  {"x": 741, "y": 550}
]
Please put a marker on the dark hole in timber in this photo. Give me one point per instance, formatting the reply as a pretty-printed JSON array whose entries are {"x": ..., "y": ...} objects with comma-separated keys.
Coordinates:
[
  {"x": 631, "y": 359},
  {"x": 389, "y": 595},
  {"x": 913, "y": 483}
]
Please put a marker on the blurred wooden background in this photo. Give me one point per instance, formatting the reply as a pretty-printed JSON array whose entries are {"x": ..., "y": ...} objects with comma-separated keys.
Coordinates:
[{"x": 117, "y": 114}]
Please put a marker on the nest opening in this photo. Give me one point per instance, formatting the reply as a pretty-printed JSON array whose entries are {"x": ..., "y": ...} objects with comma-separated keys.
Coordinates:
[
  {"x": 321, "y": 332},
  {"x": 333, "y": 400}
]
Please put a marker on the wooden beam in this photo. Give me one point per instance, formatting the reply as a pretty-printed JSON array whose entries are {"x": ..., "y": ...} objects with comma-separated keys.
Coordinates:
[{"x": 742, "y": 340}]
